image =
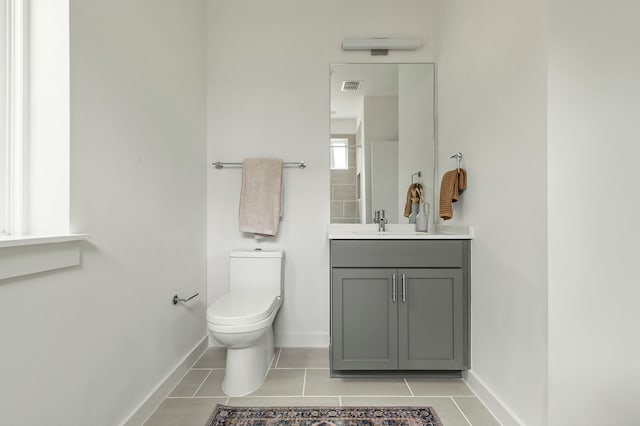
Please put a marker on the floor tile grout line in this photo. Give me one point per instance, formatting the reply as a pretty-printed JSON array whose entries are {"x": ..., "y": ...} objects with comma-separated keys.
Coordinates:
[
  {"x": 272, "y": 396},
  {"x": 298, "y": 368},
  {"x": 278, "y": 359},
  {"x": 445, "y": 395},
  {"x": 199, "y": 358},
  {"x": 204, "y": 380},
  {"x": 407, "y": 383},
  {"x": 340, "y": 399},
  {"x": 481, "y": 402},
  {"x": 279, "y": 396},
  {"x": 305, "y": 396},
  {"x": 333, "y": 396},
  {"x": 304, "y": 381},
  {"x": 206, "y": 368},
  {"x": 388, "y": 396},
  {"x": 197, "y": 397},
  {"x": 460, "y": 409}
]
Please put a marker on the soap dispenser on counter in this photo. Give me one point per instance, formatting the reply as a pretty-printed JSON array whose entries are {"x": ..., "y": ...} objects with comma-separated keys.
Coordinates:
[{"x": 422, "y": 218}]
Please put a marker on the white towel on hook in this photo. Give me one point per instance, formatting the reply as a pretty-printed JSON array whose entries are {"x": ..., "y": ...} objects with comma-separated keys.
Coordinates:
[{"x": 261, "y": 196}]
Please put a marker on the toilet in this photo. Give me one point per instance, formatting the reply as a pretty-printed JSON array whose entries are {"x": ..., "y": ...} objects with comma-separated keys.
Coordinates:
[{"x": 242, "y": 319}]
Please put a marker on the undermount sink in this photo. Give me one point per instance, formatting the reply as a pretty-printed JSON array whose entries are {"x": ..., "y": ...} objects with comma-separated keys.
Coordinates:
[
  {"x": 396, "y": 231},
  {"x": 390, "y": 233}
]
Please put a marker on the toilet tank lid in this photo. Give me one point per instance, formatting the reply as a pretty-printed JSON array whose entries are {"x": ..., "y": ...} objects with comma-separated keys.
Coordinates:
[{"x": 258, "y": 252}]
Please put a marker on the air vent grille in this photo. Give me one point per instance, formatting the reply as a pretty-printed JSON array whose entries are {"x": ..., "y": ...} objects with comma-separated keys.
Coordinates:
[{"x": 350, "y": 86}]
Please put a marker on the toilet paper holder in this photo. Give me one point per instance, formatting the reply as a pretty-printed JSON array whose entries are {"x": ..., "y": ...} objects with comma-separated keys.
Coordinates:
[{"x": 175, "y": 299}]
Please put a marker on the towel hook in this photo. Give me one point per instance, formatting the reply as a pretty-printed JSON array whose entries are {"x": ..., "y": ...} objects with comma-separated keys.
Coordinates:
[
  {"x": 457, "y": 155},
  {"x": 418, "y": 173}
]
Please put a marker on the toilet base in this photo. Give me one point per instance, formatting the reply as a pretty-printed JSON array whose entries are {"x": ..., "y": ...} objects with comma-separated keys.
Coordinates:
[{"x": 247, "y": 367}]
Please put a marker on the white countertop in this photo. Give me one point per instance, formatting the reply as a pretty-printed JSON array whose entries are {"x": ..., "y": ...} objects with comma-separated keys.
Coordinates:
[{"x": 340, "y": 231}]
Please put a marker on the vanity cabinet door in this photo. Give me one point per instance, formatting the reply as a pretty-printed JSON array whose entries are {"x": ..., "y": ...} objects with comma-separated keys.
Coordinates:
[
  {"x": 431, "y": 320},
  {"x": 364, "y": 320}
]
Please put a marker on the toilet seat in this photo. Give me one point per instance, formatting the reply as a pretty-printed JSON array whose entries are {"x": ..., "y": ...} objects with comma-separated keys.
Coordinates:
[{"x": 241, "y": 309}]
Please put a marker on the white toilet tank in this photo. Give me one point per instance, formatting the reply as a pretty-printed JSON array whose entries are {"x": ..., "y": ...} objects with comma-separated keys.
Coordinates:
[{"x": 256, "y": 271}]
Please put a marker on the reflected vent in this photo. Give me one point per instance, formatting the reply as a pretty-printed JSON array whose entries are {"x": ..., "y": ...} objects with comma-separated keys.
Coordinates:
[{"x": 350, "y": 86}]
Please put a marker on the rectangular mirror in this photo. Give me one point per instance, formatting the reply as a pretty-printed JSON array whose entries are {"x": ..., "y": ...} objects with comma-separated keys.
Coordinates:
[{"x": 382, "y": 139}]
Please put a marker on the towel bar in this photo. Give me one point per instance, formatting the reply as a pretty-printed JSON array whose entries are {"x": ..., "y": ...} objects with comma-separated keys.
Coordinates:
[{"x": 222, "y": 165}]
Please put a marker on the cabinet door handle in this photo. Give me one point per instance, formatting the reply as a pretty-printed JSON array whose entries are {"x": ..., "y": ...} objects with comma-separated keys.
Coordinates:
[
  {"x": 404, "y": 288},
  {"x": 393, "y": 288}
]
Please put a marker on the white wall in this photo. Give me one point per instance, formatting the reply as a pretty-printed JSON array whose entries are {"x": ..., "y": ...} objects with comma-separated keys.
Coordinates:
[
  {"x": 492, "y": 107},
  {"x": 343, "y": 126},
  {"x": 416, "y": 131},
  {"x": 594, "y": 205},
  {"x": 268, "y": 95},
  {"x": 86, "y": 345}
]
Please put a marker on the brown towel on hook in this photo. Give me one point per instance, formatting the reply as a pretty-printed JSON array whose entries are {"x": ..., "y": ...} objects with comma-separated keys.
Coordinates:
[
  {"x": 453, "y": 183},
  {"x": 413, "y": 193}
]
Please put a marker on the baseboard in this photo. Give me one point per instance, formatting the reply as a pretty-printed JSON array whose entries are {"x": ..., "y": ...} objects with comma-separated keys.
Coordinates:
[
  {"x": 301, "y": 340},
  {"x": 490, "y": 400},
  {"x": 149, "y": 405}
]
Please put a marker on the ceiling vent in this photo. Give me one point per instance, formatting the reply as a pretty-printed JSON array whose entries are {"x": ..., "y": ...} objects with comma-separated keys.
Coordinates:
[{"x": 350, "y": 86}]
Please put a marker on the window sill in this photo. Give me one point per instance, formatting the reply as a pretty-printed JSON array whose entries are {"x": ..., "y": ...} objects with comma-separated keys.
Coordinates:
[
  {"x": 29, "y": 240},
  {"x": 30, "y": 254}
]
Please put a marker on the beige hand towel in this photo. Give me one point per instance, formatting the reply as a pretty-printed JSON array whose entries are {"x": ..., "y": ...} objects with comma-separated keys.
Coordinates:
[
  {"x": 453, "y": 183},
  {"x": 261, "y": 196}
]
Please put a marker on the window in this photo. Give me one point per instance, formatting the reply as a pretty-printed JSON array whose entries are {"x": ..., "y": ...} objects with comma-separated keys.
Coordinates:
[
  {"x": 34, "y": 102},
  {"x": 339, "y": 153},
  {"x": 12, "y": 116},
  {"x": 3, "y": 117},
  {"x": 35, "y": 159}
]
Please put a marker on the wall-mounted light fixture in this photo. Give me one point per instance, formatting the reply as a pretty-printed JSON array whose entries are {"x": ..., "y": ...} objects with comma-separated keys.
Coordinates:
[{"x": 381, "y": 45}]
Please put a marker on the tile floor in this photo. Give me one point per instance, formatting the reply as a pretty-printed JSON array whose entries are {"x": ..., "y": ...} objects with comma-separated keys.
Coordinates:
[{"x": 300, "y": 376}]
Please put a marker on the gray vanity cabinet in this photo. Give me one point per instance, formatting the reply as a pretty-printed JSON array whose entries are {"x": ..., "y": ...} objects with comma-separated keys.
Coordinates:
[
  {"x": 399, "y": 305},
  {"x": 365, "y": 319},
  {"x": 430, "y": 325}
]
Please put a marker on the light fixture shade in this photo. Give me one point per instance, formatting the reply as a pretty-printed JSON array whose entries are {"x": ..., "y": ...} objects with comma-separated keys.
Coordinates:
[{"x": 381, "y": 43}]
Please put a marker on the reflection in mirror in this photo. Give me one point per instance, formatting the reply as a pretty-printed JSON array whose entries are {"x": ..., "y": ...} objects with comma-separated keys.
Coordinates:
[
  {"x": 339, "y": 153},
  {"x": 382, "y": 135}
]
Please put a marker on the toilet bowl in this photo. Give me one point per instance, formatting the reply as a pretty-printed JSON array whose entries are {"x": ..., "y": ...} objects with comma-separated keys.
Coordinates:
[
  {"x": 249, "y": 342},
  {"x": 242, "y": 320}
]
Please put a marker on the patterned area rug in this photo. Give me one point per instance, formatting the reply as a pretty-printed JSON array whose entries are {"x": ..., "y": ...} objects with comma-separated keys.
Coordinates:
[{"x": 225, "y": 415}]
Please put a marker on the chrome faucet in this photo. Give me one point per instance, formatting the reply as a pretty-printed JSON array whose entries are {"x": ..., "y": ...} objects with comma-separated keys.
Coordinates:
[{"x": 380, "y": 220}]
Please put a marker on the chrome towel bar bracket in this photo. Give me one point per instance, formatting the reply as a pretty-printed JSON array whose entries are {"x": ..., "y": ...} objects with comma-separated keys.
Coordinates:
[{"x": 175, "y": 299}]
